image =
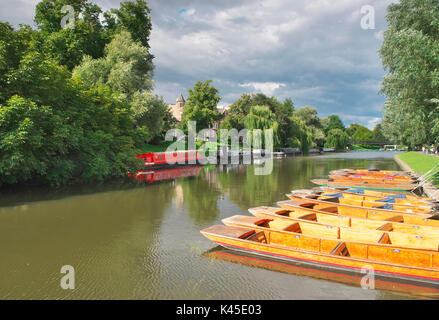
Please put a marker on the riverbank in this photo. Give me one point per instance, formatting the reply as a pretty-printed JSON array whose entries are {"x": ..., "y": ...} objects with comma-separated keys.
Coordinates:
[{"x": 419, "y": 164}]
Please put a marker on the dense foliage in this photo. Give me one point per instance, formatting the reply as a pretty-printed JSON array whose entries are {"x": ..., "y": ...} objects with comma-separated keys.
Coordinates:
[
  {"x": 410, "y": 54},
  {"x": 76, "y": 103},
  {"x": 201, "y": 106}
]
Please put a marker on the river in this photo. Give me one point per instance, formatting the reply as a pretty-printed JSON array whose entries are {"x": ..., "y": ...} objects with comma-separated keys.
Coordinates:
[{"x": 143, "y": 241}]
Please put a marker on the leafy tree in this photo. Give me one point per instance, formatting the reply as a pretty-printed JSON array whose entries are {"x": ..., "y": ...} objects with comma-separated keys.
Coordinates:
[
  {"x": 309, "y": 115},
  {"x": 334, "y": 122},
  {"x": 411, "y": 85},
  {"x": 314, "y": 123},
  {"x": 201, "y": 105},
  {"x": 361, "y": 133},
  {"x": 135, "y": 18},
  {"x": 377, "y": 133},
  {"x": 89, "y": 34},
  {"x": 241, "y": 108},
  {"x": 127, "y": 69},
  {"x": 68, "y": 45},
  {"x": 352, "y": 129},
  {"x": 13, "y": 46},
  {"x": 337, "y": 139},
  {"x": 300, "y": 135},
  {"x": 260, "y": 117}
]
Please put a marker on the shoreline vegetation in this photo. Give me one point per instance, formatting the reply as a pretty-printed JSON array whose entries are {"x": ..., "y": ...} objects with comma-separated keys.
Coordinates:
[
  {"x": 77, "y": 103},
  {"x": 80, "y": 111},
  {"x": 419, "y": 162}
]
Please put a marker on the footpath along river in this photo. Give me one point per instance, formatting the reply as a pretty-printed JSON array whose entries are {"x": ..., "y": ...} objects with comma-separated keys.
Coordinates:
[{"x": 143, "y": 242}]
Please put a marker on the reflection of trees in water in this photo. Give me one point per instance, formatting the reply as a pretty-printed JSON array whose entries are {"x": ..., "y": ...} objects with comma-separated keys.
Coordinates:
[
  {"x": 246, "y": 189},
  {"x": 101, "y": 235},
  {"x": 200, "y": 197}
]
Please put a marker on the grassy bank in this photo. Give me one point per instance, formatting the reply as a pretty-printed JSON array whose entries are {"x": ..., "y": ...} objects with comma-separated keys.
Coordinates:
[{"x": 421, "y": 163}]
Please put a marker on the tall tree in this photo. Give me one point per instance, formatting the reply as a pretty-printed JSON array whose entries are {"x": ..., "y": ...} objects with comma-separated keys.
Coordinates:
[
  {"x": 377, "y": 133},
  {"x": 337, "y": 139},
  {"x": 311, "y": 119},
  {"x": 358, "y": 132},
  {"x": 412, "y": 83},
  {"x": 260, "y": 117},
  {"x": 300, "y": 135},
  {"x": 201, "y": 106},
  {"x": 334, "y": 122},
  {"x": 127, "y": 69},
  {"x": 241, "y": 108}
]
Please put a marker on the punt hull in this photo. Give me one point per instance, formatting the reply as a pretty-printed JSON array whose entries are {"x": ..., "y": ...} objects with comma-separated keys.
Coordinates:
[
  {"x": 356, "y": 186},
  {"x": 318, "y": 272},
  {"x": 342, "y": 265}
]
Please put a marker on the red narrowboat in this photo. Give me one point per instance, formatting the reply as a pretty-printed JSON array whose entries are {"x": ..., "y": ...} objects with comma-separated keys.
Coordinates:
[{"x": 170, "y": 158}]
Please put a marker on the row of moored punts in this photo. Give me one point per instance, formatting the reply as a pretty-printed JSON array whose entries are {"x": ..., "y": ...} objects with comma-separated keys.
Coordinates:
[{"x": 379, "y": 227}]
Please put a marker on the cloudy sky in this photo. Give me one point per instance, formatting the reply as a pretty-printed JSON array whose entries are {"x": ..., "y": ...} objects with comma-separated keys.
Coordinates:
[{"x": 312, "y": 51}]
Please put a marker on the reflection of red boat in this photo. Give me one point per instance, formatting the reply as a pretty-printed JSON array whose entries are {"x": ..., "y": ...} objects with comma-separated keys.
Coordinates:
[
  {"x": 167, "y": 174},
  {"x": 170, "y": 158}
]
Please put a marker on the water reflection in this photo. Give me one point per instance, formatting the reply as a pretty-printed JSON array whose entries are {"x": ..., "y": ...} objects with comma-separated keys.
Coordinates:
[
  {"x": 200, "y": 196},
  {"x": 104, "y": 236},
  {"x": 151, "y": 176},
  {"x": 142, "y": 241},
  {"x": 252, "y": 261}
]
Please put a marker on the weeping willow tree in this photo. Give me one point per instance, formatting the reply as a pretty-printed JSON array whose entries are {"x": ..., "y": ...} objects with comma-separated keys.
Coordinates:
[
  {"x": 301, "y": 135},
  {"x": 261, "y": 118}
]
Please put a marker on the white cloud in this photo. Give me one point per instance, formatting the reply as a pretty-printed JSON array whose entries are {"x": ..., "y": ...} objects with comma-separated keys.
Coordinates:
[
  {"x": 267, "y": 88},
  {"x": 369, "y": 122}
]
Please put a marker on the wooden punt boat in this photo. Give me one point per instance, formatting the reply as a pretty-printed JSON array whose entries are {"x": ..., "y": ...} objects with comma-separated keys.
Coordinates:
[
  {"x": 417, "y": 267},
  {"x": 392, "y": 239},
  {"x": 365, "y": 185},
  {"x": 371, "y": 202},
  {"x": 422, "y": 212},
  {"x": 374, "y": 179},
  {"x": 372, "y": 172},
  {"x": 364, "y": 195},
  {"x": 381, "y": 194},
  {"x": 329, "y": 219},
  {"x": 316, "y": 272},
  {"x": 312, "y": 206}
]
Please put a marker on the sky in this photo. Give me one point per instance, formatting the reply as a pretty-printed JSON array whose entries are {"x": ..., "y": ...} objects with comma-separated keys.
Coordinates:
[{"x": 321, "y": 53}]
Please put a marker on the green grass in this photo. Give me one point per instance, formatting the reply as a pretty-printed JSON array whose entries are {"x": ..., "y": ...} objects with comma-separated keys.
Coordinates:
[
  {"x": 421, "y": 163},
  {"x": 164, "y": 145},
  {"x": 154, "y": 148}
]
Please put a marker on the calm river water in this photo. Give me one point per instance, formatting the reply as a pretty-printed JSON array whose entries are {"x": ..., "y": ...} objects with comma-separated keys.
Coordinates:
[{"x": 143, "y": 242}]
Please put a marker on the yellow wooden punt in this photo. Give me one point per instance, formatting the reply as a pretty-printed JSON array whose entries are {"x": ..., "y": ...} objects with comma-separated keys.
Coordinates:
[
  {"x": 315, "y": 229},
  {"x": 365, "y": 185},
  {"x": 373, "y": 172},
  {"x": 381, "y": 194},
  {"x": 309, "y": 206},
  {"x": 370, "y": 202},
  {"x": 325, "y": 218},
  {"x": 417, "y": 267},
  {"x": 316, "y": 272},
  {"x": 364, "y": 195},
  {"x": 373, "y": 179},
  {"x": 421, "y": 212}
]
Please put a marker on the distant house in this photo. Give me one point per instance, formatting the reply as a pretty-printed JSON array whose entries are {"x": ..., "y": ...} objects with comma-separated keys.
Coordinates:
[
  {"x": 177, "y": 112},
  {"x": 223, "y": 112},
  {"x": 177, "y": 109}
]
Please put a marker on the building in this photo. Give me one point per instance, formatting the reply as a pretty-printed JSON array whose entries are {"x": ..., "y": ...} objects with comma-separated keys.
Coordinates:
[{"x": 177, "y": 109}]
